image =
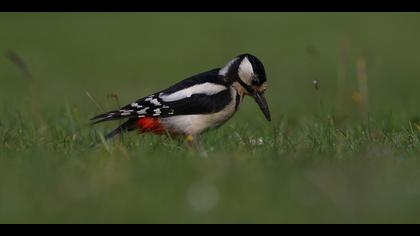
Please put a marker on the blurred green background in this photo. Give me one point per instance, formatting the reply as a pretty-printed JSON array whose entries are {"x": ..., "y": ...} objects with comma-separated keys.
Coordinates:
[
  {"x": 313, "y": 166},
  {"x": 133, "y": 54}
]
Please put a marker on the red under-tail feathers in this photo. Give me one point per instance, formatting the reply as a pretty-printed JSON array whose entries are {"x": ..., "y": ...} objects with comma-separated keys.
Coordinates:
[
  {"x": 143, "y": 125},
  {"x": 150, "y": 125}
]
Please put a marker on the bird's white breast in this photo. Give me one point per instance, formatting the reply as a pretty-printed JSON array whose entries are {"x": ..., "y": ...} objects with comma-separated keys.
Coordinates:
[{"x": 196, "y": 124}]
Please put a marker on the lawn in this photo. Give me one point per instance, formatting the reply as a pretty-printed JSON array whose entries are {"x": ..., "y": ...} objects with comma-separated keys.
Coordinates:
[{"x": 345, "y": 150}]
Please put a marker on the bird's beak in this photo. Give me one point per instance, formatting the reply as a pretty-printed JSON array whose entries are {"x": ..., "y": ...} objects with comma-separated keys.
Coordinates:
[{"x": 262, "y": 103}]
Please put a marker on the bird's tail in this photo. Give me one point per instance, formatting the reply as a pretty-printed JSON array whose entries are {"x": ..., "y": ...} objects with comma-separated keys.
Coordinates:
[
  {"x": 114, "y": 115},
  {"x": 129, "y": 125}
]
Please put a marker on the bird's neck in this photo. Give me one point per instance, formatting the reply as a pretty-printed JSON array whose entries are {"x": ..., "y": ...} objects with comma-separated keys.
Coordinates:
[{"x": 239, "y": 88}]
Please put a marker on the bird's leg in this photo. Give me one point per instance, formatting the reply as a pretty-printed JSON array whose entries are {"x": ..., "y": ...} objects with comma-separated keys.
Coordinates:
[{"x": 194, "y": 142}]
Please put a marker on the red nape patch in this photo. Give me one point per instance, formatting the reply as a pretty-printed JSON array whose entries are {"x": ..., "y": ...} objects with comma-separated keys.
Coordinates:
[{"x": 150, "y": 124}]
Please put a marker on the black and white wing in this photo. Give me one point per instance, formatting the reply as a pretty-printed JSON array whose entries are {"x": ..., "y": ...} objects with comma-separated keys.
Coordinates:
[{"x": 204, "y": 93}]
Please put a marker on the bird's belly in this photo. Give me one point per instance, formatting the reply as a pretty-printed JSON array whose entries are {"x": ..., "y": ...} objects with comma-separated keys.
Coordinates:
[{"x": 198, "y": 123}]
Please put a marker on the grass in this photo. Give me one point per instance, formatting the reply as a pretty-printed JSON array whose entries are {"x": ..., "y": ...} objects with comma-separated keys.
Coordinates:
[{"x": 346, "y": 152}]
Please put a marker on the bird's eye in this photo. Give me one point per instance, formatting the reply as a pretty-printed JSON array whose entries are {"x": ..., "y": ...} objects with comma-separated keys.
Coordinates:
[{"x": 255, "y": 81}]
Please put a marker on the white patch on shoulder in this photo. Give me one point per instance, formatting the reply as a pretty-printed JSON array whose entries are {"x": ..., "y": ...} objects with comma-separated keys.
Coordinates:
[
  {"x": 245, "y": 71},
  {"x": 225, "y": 69},
  {"x": 205, "y": 88}
]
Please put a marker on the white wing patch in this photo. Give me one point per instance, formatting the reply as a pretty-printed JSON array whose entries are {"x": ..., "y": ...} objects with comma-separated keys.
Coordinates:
[
  {"x": 205, "y": 88},
  {"x": 142, "y": 111},
  {"x": 154, "y": 101},
  {"x": 126, "y": 112},
  {"x": 157, "y": 112},
  {"x": 136, "y": 105}
]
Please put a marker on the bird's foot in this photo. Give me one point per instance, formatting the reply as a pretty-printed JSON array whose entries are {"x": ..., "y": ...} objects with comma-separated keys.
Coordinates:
[{"x": 194, "y": 142}]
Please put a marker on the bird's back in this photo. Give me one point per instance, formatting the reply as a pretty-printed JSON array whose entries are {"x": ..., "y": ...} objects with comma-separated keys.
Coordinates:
[{"x": 189, "y": 106}]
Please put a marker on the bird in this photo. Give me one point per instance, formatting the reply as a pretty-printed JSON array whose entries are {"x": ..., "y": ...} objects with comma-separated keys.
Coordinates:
[{"x": 196, "y": 104}]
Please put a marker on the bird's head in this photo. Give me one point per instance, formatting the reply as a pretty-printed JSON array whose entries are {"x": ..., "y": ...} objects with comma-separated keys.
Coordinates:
[{"x": 249, "y": 72}]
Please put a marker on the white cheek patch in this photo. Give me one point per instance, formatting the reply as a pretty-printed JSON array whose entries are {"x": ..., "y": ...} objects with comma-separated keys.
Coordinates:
[
  {"x": 205, "y": 88},
  {"x": 245, "y": 71}
]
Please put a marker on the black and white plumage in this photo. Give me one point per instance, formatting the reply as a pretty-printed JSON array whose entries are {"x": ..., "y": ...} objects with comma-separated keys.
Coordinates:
[{"x": 193, "y": 105}]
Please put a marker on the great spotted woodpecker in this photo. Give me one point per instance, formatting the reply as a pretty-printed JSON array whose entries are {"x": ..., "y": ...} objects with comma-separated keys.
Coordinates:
[{"x": 196, "y": 104}]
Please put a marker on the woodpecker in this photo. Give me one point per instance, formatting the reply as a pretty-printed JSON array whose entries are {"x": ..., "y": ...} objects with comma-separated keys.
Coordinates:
[{"x": 196, "y": 104}]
